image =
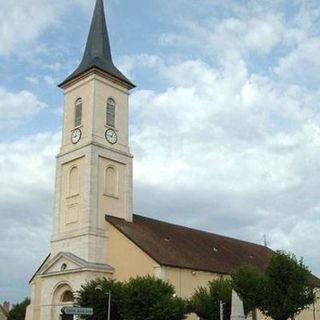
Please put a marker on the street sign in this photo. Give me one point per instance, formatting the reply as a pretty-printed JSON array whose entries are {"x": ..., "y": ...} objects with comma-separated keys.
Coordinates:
[{"x": 77, "y": 311}]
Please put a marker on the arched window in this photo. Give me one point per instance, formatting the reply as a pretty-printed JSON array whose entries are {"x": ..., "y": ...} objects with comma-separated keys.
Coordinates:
[
  {"x": 111, "y": 113},
  {"x": 67, "y": 296},
  {"x": 78, "y": 113},
  {"x": 74, "y": 181},
  {"x": 111, "y": 182}
]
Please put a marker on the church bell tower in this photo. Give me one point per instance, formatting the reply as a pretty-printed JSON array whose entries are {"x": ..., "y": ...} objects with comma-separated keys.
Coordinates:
[
  {"x": 94, "y": 166},
  {"x": 93, "y": 175}
]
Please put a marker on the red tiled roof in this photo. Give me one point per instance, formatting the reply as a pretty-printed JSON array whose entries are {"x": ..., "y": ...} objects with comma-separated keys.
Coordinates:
[{"x": 182, "y": 247}]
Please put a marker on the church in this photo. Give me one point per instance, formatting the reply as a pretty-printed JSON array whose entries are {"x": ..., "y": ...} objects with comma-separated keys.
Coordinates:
[{"x": 95, "y": 233}]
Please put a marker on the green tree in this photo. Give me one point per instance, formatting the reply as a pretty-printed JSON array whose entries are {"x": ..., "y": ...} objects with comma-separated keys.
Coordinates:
[
  {"x": 205, "y": 302},
  {"x": 94, "y": 294},
  {"x": 18, "y": 310},
  {"x": 249, "y": 283},
  {"x": 281, "y": 292},
  {"x": 147, "y": 298}
]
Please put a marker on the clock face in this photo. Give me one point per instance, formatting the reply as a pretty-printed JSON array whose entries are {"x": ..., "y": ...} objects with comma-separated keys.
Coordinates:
[
  {"x": 111, "y": 136},
  {"x": 76, "y": 136}
]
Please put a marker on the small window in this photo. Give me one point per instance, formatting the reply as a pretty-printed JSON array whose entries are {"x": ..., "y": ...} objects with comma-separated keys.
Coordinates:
[
  {"x": 111, "y": 113},
  {"x": 78, "y": 113}
]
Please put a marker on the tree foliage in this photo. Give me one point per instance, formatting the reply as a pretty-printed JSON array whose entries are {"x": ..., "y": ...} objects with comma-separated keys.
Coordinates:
[
  {"x": 94, "y": 294},
  {"x": 249, "y": 283},
  {"x": 147, "y": 298},
  {"x": 18, "y": 310},
  {"x": 206, "y": 300},
  {"x": 140, "y": 298},
  {"x": 281, "y": 292}
]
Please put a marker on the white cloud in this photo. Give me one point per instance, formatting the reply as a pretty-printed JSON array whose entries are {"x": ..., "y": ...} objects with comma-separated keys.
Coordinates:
[
  {"x": 50, "y": 81},
  {"x": 230, "y": 38},
  {"x": 129, "y": 63},
  {"x": 24, "y": 165},
  {"x": 239, "y": 143},
  {"x": 287, "y": 44},
  {"x": 22, "y": 22},
  {"x": 47, "y": 79},
  {"x": 27, "y": 177},
  {"x": 54, "y": 66},
  {"x": 17, "y": 107},
  {"x": 301, "y": 64},
  {"x": 32, "y": 79}
]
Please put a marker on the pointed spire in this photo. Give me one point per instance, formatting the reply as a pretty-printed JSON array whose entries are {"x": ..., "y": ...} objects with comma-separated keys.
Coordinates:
[
  {"x": 98, "y": 53},
  {"x": 98, "y": 45}
]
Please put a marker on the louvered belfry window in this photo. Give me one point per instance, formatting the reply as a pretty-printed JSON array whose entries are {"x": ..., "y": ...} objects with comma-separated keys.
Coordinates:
[
  {"x": 78, "y": 113},
  {"x": 111, "y": 113}
]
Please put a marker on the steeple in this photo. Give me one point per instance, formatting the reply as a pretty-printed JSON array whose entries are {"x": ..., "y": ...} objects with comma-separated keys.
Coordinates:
[{"x": 98, "y": 52}]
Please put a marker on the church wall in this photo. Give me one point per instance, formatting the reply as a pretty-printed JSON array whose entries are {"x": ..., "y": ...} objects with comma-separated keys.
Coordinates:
[
  {"x": 126, "y": 258},
  {"x": 33, "y": 311},
  {"x": 90, "y": 247},
  {"x": 112, "y": 188},
  {"x": 53, "y": 287},
  {"x": 37, "y": 297},
  {"x": 71, "y": 210},
  {"x": 186, "y": 281}
]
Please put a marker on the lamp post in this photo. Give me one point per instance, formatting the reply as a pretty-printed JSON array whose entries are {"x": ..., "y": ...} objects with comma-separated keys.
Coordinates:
[
  {"x": 99, "y": 288},
  {"x": 109, "y": 305},
  {"x": 221, "y": 310}
]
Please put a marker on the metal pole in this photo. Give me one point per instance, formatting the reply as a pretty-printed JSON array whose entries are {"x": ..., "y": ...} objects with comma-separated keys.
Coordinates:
[
  {"x": 221, "y": 310},
  {"x": 109, "y": 305}
]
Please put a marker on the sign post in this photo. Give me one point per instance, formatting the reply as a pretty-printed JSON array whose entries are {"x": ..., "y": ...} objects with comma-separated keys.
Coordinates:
[{"x": 72, "y": 311}]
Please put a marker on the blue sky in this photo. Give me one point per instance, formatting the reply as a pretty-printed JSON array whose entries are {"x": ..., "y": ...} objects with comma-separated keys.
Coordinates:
[{"x": 224, "y": 123}]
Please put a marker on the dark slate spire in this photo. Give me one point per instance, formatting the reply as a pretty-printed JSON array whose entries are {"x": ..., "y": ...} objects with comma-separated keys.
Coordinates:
[{"x": 98, "y": 53}]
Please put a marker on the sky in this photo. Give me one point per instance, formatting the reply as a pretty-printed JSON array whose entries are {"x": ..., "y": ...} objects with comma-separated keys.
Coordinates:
[{"x": 224, "y": 122}]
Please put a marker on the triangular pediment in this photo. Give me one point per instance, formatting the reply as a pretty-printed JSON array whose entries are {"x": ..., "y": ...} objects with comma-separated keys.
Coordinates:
[{"x": 66, "y": 262}]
